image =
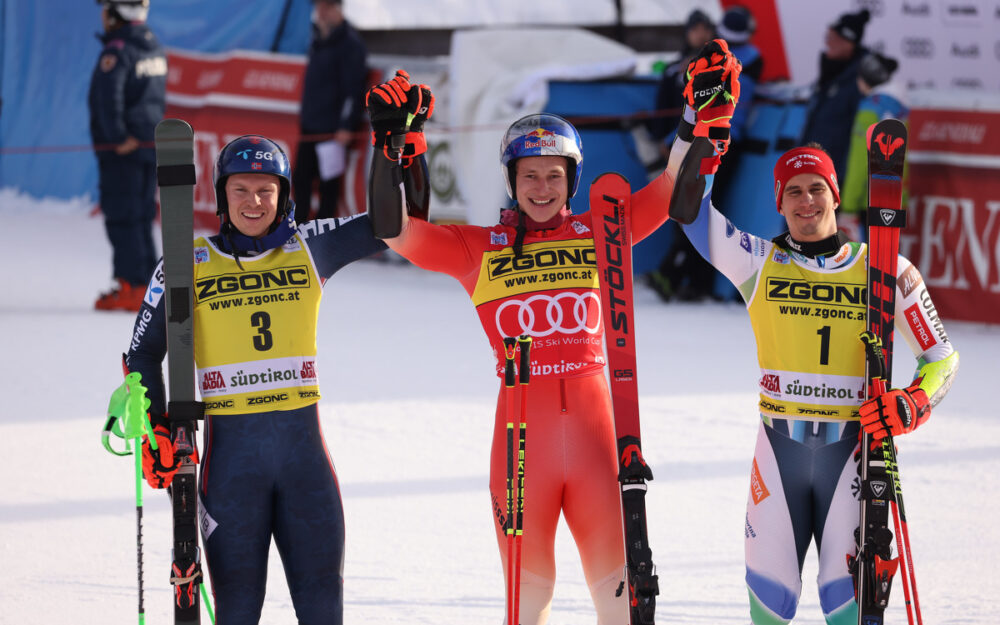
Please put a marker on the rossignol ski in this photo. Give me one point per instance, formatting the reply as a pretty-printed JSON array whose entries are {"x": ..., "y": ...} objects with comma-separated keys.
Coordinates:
[
  {"x": 610, "y": 210},
  {"x": 176, "y": 178},
  {"x": 874, "y": 565}
]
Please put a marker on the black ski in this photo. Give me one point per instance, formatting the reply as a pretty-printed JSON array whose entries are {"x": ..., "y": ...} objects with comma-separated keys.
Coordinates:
[
  {"x": 176, "y": 178},
  {"x": 874, "y": 566}
]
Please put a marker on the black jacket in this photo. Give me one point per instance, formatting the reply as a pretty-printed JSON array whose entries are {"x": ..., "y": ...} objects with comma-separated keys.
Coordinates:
[
  {"x": 832, "y": 108},
  {"x": 128, "y": 88},
  {"x": 334, "y": 83}
]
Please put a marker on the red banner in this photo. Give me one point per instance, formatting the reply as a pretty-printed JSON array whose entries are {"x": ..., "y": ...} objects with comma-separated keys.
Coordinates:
[
  {"x": 224, "y": 96},
  {"x": 953, "y": 232}
]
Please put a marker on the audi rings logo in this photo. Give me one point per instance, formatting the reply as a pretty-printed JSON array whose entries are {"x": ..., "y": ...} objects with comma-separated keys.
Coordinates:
[{"x": 541, "y": 315}]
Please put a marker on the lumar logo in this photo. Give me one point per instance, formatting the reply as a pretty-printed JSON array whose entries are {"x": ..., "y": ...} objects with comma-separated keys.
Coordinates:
[
  {"x": 214, "y": 286},
  {"x": 542, "y": 259},
  {"x": 781, "y": 289},
  {"x": 887, "y": 144}
]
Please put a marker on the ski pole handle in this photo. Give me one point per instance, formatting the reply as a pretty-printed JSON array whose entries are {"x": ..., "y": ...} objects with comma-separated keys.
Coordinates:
[
  {"x": 524, "y": 368},
  {"x": 509, "y": 345}
]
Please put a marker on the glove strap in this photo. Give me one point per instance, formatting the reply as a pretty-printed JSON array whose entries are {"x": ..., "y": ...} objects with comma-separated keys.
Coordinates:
[
  {"x": 416, "y": 144},
  {"x": 384, "y": 143}
]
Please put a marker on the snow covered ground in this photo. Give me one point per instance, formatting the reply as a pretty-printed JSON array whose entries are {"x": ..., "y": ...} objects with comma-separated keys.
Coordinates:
[{"x": 407, "y": 412}]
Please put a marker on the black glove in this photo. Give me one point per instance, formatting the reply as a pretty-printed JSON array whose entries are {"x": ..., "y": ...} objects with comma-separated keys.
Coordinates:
[
  {"x": 420, "y": 103},
  {"x": 712, "y": 90},
  {"x": 389, "y": 114}
]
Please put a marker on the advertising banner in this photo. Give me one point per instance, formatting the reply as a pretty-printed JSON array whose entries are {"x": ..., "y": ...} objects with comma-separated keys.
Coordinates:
[
  {"x": 953, "y": 230},
  {"x": 224, "y": 96}
]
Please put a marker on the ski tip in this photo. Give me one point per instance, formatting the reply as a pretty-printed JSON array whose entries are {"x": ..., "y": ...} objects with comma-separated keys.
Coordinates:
[
  {"x": 173, "y": 129},
  {"x": 890, "y": 126}
]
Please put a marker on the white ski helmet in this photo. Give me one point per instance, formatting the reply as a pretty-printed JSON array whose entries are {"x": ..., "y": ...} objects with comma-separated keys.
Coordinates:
[{"x": 127, "y": 10}]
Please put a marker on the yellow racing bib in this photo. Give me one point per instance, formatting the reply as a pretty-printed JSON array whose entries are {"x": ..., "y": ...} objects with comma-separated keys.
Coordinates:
[
  {"x": 255, "y": 346},
  {"x": 807, "y": 324}
]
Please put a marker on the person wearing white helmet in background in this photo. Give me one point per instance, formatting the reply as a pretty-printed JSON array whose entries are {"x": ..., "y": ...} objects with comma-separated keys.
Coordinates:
[{"x": 127, "y": 98}]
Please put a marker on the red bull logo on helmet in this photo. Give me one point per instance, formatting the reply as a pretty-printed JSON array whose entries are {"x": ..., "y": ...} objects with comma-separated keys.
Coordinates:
[{"x": 540, "y": 138}]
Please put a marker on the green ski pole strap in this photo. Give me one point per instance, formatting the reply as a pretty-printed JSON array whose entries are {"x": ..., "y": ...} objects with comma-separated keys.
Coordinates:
[{"x": 127, "y": 414}]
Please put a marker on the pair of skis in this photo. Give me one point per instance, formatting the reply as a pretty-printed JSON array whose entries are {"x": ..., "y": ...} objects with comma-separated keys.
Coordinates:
[
  {"x": 874, "y": 567},
  {"x": 516, "y": 430}
]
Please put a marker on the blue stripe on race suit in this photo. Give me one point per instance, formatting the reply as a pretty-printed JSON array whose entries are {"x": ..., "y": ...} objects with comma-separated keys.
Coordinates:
[
  {"x": 775, "y": 596},
  {"x": 835, "y": 594}
]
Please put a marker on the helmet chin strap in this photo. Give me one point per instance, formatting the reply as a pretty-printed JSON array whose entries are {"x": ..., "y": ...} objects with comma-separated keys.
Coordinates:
[{"x": 240, "y": 244}]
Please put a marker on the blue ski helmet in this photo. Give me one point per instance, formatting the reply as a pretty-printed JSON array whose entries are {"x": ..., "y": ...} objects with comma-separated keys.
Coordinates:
[
  {"x": 252, "y": 154},
  {"x": 541, "y": 134}
]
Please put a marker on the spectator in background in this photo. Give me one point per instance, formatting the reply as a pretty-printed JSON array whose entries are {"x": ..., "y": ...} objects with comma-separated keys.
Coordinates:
[
  {"x": 737, "y": 27},
  {"x": 881, "y": 99},
  {"x": 127, "y": 98},
  {"x": 698, "y": 31},
  {"x": 683, "y": 273},
  {"x": 836, "y": 96},
  {"x": 331, "y": 109}
]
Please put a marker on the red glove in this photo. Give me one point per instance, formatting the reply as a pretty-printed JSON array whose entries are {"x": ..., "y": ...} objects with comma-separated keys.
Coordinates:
[
  {"x": 712, "y": 90},
  {"x": 895, "y": 412},
  {"x": 159, "y": 465}
]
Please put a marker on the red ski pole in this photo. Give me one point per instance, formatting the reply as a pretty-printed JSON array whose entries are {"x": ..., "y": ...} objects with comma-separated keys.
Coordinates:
[
  {"x": 510, "y": 346},
  {"x": 523, "y": 377}
]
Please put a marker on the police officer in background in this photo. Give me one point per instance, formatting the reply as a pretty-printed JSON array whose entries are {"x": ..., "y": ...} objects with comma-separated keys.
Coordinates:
[
  {"x": 127, "y": 99},
  {"x": 331, "y": 110}
]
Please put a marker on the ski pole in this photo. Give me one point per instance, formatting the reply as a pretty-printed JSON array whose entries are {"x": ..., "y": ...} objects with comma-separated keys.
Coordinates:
[
  {"x": 523, "y": 378},
  {"x": 510, "y": 346},
  {"x": 910, "y": 596},
  {"x": 127, "y": 419}
]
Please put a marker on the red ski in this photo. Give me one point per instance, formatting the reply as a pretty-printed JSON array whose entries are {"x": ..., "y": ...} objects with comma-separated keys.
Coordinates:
[
  {"x": 609, "y": 205},
  {"x": 874, "y": 566}
]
